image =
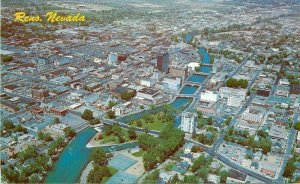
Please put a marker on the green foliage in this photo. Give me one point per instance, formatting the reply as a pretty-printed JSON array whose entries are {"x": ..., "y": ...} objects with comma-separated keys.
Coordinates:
[
  {"x": 297, "y": 126},
  {"x": 56, "y": 121},
  {"x": 127, "y": 95},
  {"x": 243, "y": 138},
  {"x": 87, "y": 115},
  {"x": 44, "y": 136},
  {"x": 97, "y": 174},
  {"x": 131, "y": 133},
  {"x": 231, "y": 82},
  {"x": 6, "y": 58},
  {"x": 30, "y": 152},
  {"x": 99, "y": 157},
  {"x": 197, "y": 69},
  {"x": 223, "y": 176},
  {"x": 111, "y": 114},
  {"x": 210, "y": 121},
  {"x": 111, "y": 104},
  {"x": 159, "y": 149},
  {"x": 290, "y": 168},
  {"x": 191, "y": 179},
  {"x": 228, "y": 120},
  {"x": 69, "y": 132},
  {"x": 94, "y": 121},
  {"x": 152, "y": 177}
]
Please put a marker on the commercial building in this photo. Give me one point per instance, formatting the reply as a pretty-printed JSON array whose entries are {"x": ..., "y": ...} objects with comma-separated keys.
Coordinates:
[
  {"x": 147, "y": 82},
  {"x": 163, "y": 62},
  {"x": 178, "y": 71},
  {"x": 254, "y": 114},
  {"x": 209, "y": 96},
  {"x": 147, "y": 93},
  {"x": 189, "y": 121},
  {"x": 38, "y": 93},
  {"x": 172, "y": 84},
  {"x": 234, "y": 97}
]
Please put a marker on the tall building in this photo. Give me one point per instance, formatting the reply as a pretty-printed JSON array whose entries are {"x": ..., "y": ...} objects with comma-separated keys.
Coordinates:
[
  {"x": 38, "y": 93},
  {"x": 163, "y": 62},
  {"x": 178, "y": 71},
  {"x": 189, "y": 121}
]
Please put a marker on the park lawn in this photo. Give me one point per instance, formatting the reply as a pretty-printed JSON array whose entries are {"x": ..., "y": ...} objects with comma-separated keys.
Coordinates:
[
  {"x": 112, "y": 172},
  {"x": 114, "y": 139},
  {"x": 159, "y": 121},
  {"x": 138, "y": 154}
]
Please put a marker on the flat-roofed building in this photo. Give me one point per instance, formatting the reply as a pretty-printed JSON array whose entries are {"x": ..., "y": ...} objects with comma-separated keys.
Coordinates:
[
  {"x": 172, "y": 84},
  {"x": 148, "y": 93},
  {"x": 278, "y": 132},
  {"x": 209, "y": 96},
  {"x": 254, "y": 114},
  {"x": 234, "y": 97}
]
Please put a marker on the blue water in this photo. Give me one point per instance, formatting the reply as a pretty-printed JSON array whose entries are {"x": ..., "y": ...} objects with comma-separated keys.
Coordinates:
[
  {"x": 197, "y": 78},
  {"x": 205, "y": 69},
  {"x": 73, "y": 159},
  {"x": 187, "y": 89},
  {"x": 205, "y": 56}
]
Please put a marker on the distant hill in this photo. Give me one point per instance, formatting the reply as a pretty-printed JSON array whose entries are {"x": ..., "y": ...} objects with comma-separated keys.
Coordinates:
[{"x": 270, "y": 2}]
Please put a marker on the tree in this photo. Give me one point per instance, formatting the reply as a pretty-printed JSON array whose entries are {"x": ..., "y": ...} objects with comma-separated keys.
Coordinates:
[
  {"x": 289, "y": 168},
  {"x": 56, "y": 121},
  {"x": 97, "y": 174},
  {"x": 8, "y": 125},
  {"x": 111, "y": 114},
  {"x": 297, "y": 126},
  {"x": 87, "y": 115},
  {"x": 210, "y": 121},
  {"x": 95, "y": 121},
  {"x": 111, "y": 104},
  {"x": 131, "y": 133},
  {"x": 69, "y": 132},
  {"x": 99, "y": 157},
  {"x": 190, "y": 179},
  {"x": 175, "y": 179},
  {"x": 223, "y": 176}
]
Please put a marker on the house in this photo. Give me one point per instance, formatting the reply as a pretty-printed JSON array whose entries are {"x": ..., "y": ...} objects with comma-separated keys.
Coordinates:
[
  {"x": 268, "y": 172},
  {"x": 213, "y": 178},
  {"x": 188, "y": 157},
  {"x": 181, "y": 167},
  {"x": 236, "y": 176}
]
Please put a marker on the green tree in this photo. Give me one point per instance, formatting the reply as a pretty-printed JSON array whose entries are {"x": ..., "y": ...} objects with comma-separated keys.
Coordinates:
[
  {"x": 111, "y": 114},
  {"x": 87, "y": 115},
  {"x": 56, "y": 121},
  {"x": 289, "y": 168},
  {"x": 131, "y": 133},
  {"x": 95, "y": 121},
  {"x": 69, "y": 132},
  {"x": 99, "y": 157},
  {"x": 223, "y": 176},
  {"x": 297, "y": 126}
]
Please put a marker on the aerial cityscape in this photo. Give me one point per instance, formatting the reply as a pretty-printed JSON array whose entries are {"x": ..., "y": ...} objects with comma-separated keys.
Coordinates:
[{"x": 150, "y": 91}]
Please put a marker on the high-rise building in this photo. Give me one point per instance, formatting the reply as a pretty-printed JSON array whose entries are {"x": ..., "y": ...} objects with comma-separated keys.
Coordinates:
[
  {"x": 189, "y": 121},
  {"x": 163, "y": 62}
]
